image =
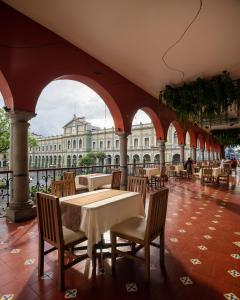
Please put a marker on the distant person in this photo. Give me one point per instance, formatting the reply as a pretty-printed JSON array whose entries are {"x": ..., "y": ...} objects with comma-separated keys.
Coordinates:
[
  {"x": 222, "y": 163},
  {"x": 234, "y": 164},
  {"x": 188, "y": 165}
]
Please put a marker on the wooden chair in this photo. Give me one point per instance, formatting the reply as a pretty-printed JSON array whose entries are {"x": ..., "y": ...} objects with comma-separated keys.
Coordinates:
[
  {"x": 159, "y": 179},
  {"x": 224, "y": 176},
  {"x": 51, "y": 231},
  {"x": 79, "y": 188},
  {"x": 143, "y": 231},
  {"x": 207, "y": 175},
  {"x": 137, "y": 184},
  {"x": 62, "y": 188},
  {"x": 116, "y": 180}
]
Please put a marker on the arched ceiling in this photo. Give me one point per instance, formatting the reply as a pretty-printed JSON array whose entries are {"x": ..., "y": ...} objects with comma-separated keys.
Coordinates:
[{"x": 132, "y": 36}]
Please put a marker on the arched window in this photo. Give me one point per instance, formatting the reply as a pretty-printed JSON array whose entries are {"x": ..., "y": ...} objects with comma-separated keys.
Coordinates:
[
  {"x": 80, "y": 144},
  {"x": 69, "y": 144},
  {"x": 175, "y": 138},
  {"x": 74, "y": 144}
]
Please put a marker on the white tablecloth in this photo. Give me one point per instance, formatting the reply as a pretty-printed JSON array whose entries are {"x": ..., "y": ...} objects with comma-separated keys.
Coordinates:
[
  {"x": 99, "y": 217},
  {"x": 151, "y": 171},
  {"x": 95, "y": 181},
  {"x": 216, "y": 172}
]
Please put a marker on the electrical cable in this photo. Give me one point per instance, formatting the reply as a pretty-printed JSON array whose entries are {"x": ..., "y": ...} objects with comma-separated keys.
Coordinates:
[{"x": 179, "y": 40}]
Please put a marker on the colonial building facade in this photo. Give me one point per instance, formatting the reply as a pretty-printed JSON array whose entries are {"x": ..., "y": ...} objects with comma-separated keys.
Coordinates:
[{"x": 81, "y": 137}]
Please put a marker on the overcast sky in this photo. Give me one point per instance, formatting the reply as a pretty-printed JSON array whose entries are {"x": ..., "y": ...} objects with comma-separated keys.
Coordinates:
[{"x": 61, "y": 99}]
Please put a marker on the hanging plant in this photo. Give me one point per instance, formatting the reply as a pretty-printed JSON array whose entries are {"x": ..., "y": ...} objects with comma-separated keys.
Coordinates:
[
  {"x": 203, "y": 99},
  {"x": 230, "y": 137}
]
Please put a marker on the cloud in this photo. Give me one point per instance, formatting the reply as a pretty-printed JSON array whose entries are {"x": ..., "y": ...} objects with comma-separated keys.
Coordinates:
[{"x": 61, "y": 99}]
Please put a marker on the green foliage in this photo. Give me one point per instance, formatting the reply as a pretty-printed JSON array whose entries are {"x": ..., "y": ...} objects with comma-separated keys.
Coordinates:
[
  {"x": 229, "y": 137},
  {"x": 88, "y": 160},
  {"x": 203, "y": 99},
  {"x": 4, "y": 131},
  {"x": 32, "y": 142},
  {"x": 101, "y": 156}
]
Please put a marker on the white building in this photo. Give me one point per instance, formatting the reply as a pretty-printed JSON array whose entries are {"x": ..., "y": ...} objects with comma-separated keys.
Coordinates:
[{"x": 81, "y": 137}]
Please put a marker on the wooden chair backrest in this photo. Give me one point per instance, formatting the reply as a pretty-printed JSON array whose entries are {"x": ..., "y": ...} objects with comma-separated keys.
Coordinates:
[
  {"x": 49, "y": 219},
  {"x": 116, "y": 180},
  {"x": 162, "y": 171},
  {"x": 207, "y": 171},
  {"x": 140, "y": 172},
  {"x": 62, "y": 188},
  {"x": 137, "y": 184},
  {"x": 156, "y": 213},
  {"x": 68, "y": 176}
]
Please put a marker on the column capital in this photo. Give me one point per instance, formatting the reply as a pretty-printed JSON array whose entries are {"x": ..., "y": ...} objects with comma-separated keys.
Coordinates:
[
  {"x": 122, "y": 134},
  {"x": 21, "y": 116},
  {"x": 161, "y": 141}
]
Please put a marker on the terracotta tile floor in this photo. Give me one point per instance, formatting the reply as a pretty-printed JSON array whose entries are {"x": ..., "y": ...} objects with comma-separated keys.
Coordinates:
[{"x": 202, "y": 255}]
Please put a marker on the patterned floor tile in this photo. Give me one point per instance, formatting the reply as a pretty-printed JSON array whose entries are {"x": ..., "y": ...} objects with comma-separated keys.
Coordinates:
[
  {"x": 29, "y": 261},
  {"x": 195, "y": 261},
  {"x": 234, "y": 273},
  {"x": 71, "y": 293},
  {"x": 7, "y": 297},
  {"x": 15, "y": 251},
  {"x": 207, "y": 237},
  {"x": 215, "y": 221},
  {"x": 47, "y": 275},
  {"x": 235, "y": 255},
  {"x": 202, "y": 248},
  {"x": 237, "y": 232},
  {"x": 174, "y": 240},
  {"x": 186, "y": 280},
  {"x": 182, "y": 230},
  {"x": 188, "y": 223},
  {"x": 237, "y": 243},
  {"x": 211, "y": 228},
  {"x": 231, "y": 296},
  {"x": 131, "y": 287}
]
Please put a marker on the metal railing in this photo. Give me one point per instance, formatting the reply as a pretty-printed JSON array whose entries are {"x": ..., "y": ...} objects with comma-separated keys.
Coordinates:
[{"x": 40, "y": 179}]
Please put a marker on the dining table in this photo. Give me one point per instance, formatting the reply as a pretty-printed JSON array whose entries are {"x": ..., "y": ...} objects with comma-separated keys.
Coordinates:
[
  {"x": 96, "y": 212},
  {"x": 93, "y": 181},
  {"x": 151, "y": 172}
]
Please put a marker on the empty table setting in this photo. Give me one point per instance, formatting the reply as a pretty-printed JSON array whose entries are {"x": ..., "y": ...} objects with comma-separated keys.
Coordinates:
[
  {"x": 96, "y": 212},
  {"x": 93, "y": 181}
]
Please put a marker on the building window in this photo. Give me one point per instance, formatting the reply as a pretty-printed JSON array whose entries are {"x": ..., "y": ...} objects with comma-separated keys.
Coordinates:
[
  {"x": 39, "y": 148},
  {"x": 94, "y": 145},
  {"x": 46, "y": 148},
  {"x": 108, "y": 144},
  {"x": 69, "y": 144},
  {"x": 175, "y": 138},
  {"x": 117, "y": 144},
  {"x": 42, "y": 148},
  {"x": 55, "y": 147},
  {"x": 135, "y": 143},
  {"x": 146, "y": 142},
  {"x": 74, "y": 144},
  {"x": 80, "y": 144},
  {"x": 59, "y": 147},
  {"x": 101, "y": 144},
  {"x": 50, "y": 147}
]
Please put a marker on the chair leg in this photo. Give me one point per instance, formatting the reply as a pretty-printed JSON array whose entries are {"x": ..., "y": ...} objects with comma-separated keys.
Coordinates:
[
  {"x": 61, "y": 270},
  {"x": 147, "y": 263},
  {"x": 41, "y": 258},
  {"x": 162, "y": 247},
  {"x": 133, "y": 246},
  {"x": 113, "y": 242}
]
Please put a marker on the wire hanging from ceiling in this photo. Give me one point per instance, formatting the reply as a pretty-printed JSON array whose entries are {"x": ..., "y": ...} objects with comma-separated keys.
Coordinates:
[{"x": 179, "y": 40}]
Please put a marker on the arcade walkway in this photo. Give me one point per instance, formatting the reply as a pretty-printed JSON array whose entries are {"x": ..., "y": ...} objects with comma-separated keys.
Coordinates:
[{"x": 202, "y": 255}]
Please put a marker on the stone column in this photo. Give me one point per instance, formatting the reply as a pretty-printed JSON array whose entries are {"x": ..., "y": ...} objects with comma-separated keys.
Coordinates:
[
  {"x": 123, "y": 158},
  {"x": 162, "y": 148},
  {"x": 202, "y": 154},
  {"x": 182, "y": 158},
  {"x": 209, "y": 156},
  {"x": 213, "y": 155},
  {"x": 194, "y": 153},
  {"x": 21, "y": 207}
]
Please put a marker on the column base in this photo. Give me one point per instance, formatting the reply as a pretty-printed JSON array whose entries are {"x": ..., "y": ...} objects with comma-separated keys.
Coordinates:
[{"x": 20, "y": 215}]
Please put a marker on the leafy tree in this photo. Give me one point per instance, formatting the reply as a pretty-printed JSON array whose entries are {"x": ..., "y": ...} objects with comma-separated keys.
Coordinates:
[
  {"x": 4, "y": 131},
  {"x": 87, "y": 160},
  {"x": 101, "y": 156}
]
